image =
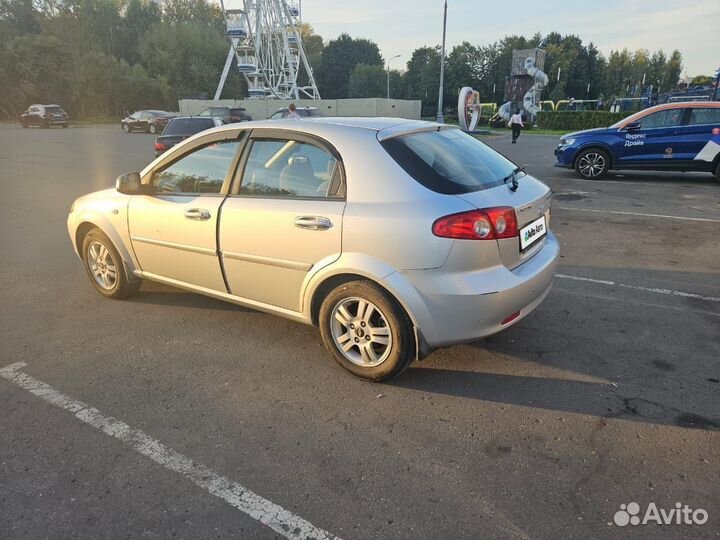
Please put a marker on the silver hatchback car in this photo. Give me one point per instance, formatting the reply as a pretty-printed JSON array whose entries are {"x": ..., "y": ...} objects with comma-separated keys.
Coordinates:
[{"x": 395, "y": 237}]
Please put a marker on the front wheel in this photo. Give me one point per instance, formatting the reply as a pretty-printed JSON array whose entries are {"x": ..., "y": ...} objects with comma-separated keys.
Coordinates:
[
  {"x": 105, "y": 268},
  {"x": 717, "y": 171},
  {"x": 366, "y": 331},
  {"x": 152, "y": 128},
  {"x": 592, "y": 164},
  {"x": 126, "y": 128}
]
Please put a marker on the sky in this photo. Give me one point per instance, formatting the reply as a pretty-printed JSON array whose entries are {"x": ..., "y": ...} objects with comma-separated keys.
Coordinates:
[{"x": 401, "y": 26}]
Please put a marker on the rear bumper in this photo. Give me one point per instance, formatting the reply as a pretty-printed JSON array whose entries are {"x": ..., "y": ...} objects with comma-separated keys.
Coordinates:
[{"x": 459, "y": 308}]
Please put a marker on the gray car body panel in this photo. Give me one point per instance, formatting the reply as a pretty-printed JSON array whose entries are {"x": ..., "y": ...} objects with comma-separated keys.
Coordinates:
[{"x": 452, "y": 290}]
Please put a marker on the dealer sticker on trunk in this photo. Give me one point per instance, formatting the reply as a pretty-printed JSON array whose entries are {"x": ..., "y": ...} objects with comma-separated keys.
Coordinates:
[{"x": 532, "y": 233}]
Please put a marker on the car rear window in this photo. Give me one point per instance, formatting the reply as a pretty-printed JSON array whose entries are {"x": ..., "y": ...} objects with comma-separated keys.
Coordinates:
[
  {"x": 187, "y": 126},
  {"x": 449, "y": 161},
  {"x": 311, "y": 112}
]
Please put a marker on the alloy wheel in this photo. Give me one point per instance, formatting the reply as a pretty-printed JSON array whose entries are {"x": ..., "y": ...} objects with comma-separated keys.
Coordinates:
[
  {"x": 102, "y": 265},
  {"x": 592, "y": 164},
  {"x": 361, "y": 332}
]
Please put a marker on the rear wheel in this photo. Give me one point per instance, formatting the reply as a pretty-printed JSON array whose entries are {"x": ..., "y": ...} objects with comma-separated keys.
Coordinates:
[
  {"x": 366, "y": 331},
  {"x": 592, "y": 163},
  {"x": 717, "y": 171},
  {"x": 105, "y": 267},
  {"x": 64, "y": 125}
]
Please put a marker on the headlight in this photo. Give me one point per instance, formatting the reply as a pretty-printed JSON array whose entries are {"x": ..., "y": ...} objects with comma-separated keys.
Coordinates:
[{"x": 566, "y": 142}]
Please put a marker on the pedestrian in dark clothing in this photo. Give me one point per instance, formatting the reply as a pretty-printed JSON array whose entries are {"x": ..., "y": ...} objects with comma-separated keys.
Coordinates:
[{"x": 516, "y": 124}]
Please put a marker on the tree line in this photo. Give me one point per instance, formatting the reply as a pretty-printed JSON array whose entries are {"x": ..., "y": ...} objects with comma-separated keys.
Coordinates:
[{"x": 104, "y": 57}]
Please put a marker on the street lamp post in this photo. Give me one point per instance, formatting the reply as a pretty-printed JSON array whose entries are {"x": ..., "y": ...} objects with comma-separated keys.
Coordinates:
[
  {"x": 388, "y": 73},
  {"x": 440, "y": 117}
]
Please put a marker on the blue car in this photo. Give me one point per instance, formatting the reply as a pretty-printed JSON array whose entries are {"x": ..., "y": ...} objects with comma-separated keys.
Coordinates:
[{"x": 671, "y": 137}]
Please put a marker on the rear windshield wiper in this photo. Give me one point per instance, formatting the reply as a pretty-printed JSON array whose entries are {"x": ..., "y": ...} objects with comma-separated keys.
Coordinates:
[{"x": 513, "y": 176}]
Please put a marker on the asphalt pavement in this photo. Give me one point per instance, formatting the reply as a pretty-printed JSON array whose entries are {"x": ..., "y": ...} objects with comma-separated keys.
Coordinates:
[{"x": 609, "y": 393}]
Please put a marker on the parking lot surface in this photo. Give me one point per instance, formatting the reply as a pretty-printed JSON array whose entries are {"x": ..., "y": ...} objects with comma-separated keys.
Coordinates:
[{"x": 608, "y": 394}]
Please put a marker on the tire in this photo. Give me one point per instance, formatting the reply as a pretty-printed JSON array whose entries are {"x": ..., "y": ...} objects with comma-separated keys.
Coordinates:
[
  {"x": 717, "y": 171},
  {"x": 388, "y": 353},
  {"x": 64, "y": 126},
  {"x": 45, "y": 125},
  {"x": 23, "y": 124},
  {"x": 152, "y": 128},
  {"x": 126, "y": 128},
  {"x": 99, "y": 257},
  {"x": 592, "y": 163}
]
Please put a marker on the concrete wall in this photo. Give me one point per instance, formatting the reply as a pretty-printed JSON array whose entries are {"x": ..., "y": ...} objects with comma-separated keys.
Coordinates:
[{"x": 261, "y": 109}]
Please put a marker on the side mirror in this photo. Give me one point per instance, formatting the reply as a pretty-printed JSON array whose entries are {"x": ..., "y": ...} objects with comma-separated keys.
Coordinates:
[
  {"x": 633, "y": 126},
  {"x": 129, "y": 183}
]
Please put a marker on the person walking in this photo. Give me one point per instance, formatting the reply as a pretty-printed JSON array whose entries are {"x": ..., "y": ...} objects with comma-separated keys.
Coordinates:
[
  {"x": 292, "y": 112},
  {"x": 516, "y": 124}
]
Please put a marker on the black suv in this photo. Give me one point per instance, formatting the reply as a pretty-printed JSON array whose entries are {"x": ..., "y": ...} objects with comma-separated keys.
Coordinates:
[
  {"x": 44, "y": 116},
  {"x": 229, "y": 115}
]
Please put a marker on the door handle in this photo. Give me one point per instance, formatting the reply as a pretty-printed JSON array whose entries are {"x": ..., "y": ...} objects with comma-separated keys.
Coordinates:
[
  {"x": 197, "y": 214},
  {"x": 313, "y": 223}
]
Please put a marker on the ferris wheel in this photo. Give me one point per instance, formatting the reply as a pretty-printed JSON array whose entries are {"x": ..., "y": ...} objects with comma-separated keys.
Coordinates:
[{"x": 266, "y": 45}]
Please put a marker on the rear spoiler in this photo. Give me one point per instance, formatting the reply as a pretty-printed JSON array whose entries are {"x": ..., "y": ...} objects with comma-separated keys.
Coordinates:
[{"x": 407, "y": 128}]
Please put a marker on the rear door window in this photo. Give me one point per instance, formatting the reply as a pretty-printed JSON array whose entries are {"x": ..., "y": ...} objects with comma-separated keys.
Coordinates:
[
  {"x": 288, "y": 168},
  {"x": 704, "y": 116},
  {"x": 449, "y": 161}
]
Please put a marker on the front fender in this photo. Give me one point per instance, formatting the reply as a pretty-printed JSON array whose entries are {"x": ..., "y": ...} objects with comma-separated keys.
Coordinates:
[{"x": 111, "y": 218}]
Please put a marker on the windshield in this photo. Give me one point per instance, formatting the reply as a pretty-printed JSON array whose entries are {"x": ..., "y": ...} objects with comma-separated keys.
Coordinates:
[
  {"x": 449, "y": 161},
  {"x": 188, "y": 126},
  {"x": 53, "y": 110}
]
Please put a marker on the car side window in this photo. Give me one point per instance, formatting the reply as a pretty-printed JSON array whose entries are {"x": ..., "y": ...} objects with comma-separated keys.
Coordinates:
[
  {"x": 666, "y": 118},
  {"x": 276, "y": 115},
  {"x": 288, "y": 168},
  {"x": 201, "y": 171},
  {"x": 704, "y": 116}
]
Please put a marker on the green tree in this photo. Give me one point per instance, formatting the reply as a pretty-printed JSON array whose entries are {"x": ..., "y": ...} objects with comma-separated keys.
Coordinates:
[
  {"x": 368, "y": 82},
  {"x": 422, "y": 78},
  {"x": 339, "y": 58}
]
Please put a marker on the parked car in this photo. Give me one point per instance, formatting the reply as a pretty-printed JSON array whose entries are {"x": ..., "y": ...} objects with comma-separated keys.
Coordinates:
[
  {"x": 146, "y": 121},
  {"x": 44, "y": 116},
  {"x": 182, "y": 127},
  {"x": 305, "y": 112},
  {"x": 671, "y": 137},
  {"x": 395, "y": 237},
  {"x": 229, "y": 115}
]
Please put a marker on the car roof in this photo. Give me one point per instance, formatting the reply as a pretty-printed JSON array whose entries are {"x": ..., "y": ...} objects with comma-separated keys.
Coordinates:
[
  {"x": 384, "y": 128},
  {"x": 668, "y": 106}
]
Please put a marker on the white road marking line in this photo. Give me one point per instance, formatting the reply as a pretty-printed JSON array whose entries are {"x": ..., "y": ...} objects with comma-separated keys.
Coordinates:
[
  {"x": 656, "y": 290},
  {"x": 634, "y": 214},
  {"x": 281, "y": 521},
  {"x": 586, "y": 294}
]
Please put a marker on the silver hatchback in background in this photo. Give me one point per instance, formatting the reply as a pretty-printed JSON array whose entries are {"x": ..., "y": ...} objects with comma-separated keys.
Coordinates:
[{"x": 395, "y": 237}]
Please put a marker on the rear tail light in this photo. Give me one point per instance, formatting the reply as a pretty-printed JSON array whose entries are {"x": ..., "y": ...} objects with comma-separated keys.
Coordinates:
[
  {"x": 486, "y": 224},
  {"x": 160, "y": 147}
]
